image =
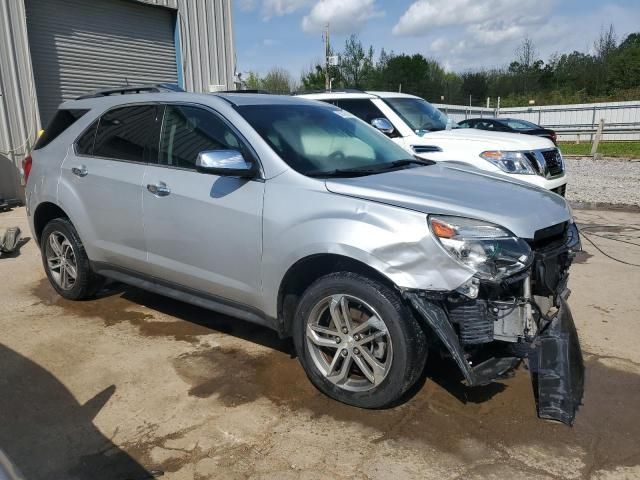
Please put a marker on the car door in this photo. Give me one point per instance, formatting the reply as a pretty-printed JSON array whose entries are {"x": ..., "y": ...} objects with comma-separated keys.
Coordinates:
[
  {"x": 202, "y": 231},
  {"x": 101, "y": 185}
]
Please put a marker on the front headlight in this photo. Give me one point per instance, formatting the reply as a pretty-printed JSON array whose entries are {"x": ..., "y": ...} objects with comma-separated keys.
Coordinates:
[
  {"x": 490, "y": 251},
  {"x": 510, "y": 162}
]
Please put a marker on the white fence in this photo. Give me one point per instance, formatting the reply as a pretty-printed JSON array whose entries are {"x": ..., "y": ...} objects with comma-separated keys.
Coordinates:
[{"x": 571, "y": 122}]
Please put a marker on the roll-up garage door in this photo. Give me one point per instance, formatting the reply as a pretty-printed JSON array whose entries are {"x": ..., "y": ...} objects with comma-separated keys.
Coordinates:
[{"x": 79, "y": 45}]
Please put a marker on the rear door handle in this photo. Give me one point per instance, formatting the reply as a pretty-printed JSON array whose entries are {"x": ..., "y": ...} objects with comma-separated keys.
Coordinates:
[
  {"x": 80, "y": 171},
  {"x": 159, "y": 189}
]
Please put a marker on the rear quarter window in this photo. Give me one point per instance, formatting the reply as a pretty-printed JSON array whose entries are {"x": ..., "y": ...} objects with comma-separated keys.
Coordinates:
[{"x": 61, "y": 121}]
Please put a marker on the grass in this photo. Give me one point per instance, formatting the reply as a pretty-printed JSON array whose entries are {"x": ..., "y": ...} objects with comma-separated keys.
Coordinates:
[{"x": 607, "y": 149}]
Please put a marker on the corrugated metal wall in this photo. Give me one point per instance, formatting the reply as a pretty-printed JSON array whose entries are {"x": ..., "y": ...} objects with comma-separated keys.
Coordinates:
[
  {"x": 207, "y": 41},
  {"x": 19, "y": 118},
  {"x": 78, "y": 46},
  {"x": 208, "y": 58}
]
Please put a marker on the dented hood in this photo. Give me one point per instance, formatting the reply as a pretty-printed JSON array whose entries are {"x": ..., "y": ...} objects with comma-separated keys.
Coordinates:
[{"x": 461, "y": 191}]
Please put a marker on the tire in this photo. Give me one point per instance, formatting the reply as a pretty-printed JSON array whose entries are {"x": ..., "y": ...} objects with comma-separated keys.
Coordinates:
[
  {"x": 86, "y": 283},
  {"x": 400, "y": 344}
]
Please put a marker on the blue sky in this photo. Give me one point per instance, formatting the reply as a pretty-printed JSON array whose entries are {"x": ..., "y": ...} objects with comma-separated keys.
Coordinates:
[{"x": 461, "y": 34}]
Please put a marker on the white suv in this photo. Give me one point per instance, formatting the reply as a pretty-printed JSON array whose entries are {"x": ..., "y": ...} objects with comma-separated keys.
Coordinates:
[{"x": 425, "y": 131}]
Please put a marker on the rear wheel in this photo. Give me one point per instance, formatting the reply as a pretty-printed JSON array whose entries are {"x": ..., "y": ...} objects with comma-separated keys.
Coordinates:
[
  {"x": 357, "y": 341},
  {"x": 65, "y": 261}
]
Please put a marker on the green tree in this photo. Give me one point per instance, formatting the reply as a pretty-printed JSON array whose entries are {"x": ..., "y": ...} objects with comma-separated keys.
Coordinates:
[
  {"x": 355, "y": 63},
  {"x": 624, "y": 71},
  {"x": 476, "y": 85},
  {"x": 313, "y": 79},
  {"x": 413, "y": 74},
  {"x": 278, "y": 80},
  {"x": 253, "y": 81}
]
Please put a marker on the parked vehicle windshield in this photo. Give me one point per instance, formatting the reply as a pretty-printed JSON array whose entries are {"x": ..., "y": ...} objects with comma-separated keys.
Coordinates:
[
  {"x": 419, "y": 114},
  {"x": 326, "y": 141}
]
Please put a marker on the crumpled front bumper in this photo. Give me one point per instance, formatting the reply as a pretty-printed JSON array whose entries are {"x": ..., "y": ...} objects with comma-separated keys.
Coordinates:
[
  {"x": 556, "y": 362},
  {"x": 557, "y": 368}
]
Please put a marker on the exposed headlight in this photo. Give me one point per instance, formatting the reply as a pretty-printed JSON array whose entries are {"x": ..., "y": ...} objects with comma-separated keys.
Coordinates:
[
  {"x": 510, "y": 162},
  {"x": 490, "y": 251}
]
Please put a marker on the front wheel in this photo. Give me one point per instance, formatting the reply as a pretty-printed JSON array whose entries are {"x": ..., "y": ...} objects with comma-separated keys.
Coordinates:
[{"x": 357, "y": 340}]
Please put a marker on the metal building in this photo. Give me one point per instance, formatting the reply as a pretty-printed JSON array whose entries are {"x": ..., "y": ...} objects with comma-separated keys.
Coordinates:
[{"x": 55, "y": 50}]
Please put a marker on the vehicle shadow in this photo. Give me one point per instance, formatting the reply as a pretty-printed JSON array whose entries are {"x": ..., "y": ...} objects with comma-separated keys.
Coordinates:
[
  {"x": 200, "y": 316},
  {"x": 47, "y": 434},
  {"x": 439, "y": 369}
]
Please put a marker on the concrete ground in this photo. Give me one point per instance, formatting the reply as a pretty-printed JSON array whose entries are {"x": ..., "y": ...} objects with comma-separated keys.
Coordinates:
[{"x": 134, "y": 383}]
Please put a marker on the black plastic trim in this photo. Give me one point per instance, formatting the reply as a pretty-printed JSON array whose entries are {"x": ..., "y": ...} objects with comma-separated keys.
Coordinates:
[{"x": 185, "y": 294}]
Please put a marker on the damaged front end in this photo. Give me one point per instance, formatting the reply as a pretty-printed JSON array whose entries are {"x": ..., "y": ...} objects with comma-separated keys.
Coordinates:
[{"x": 525, "y": 313}]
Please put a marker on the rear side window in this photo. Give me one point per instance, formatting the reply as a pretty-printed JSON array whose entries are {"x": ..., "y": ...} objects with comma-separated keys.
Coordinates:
[
  {"x": 62, "y": 120},
  {"x": 187, "y": 131},
  {"x": 124, "y": 133}
]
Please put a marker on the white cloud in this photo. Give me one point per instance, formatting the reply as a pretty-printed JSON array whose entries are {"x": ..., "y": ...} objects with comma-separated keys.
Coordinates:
[
  {"x": 492, "y": 42},
  {"x": 273, "y": 8},
  {"x": 344, "y": 16},
  {"x": 247, "y": 5},
  {"x": 425, "y": 15},
  {"x": 278, "y": 8}
]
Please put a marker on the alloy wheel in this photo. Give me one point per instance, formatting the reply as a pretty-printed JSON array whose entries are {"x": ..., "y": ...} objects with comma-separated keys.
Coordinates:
[
  {"x": 349, "y": 342},
  {"x": 61, "y": 260}
]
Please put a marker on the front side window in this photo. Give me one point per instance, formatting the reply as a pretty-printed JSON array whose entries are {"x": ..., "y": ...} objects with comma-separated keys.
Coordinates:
[
  {"x": 187, "y": 131},
  {"x": 124, "y": 133},
  {"x": 419, "y": 114},
  {"x": 317, "y": 140}
]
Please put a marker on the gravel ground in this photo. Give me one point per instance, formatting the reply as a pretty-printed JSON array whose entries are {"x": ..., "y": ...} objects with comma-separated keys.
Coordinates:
[{"x": 606, "y": 181}]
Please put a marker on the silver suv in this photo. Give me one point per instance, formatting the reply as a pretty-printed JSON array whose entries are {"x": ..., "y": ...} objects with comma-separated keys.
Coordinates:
[{"x": 296, "y": 215}]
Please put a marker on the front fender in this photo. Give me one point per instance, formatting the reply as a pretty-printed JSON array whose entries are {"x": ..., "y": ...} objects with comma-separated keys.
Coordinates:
[{"x": 394, "y": 241}]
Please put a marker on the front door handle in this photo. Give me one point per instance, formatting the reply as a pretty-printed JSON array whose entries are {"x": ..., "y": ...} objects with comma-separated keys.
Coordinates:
[
  {"x": 80, "y": 171},
  {"x": 159, "y": 189}
]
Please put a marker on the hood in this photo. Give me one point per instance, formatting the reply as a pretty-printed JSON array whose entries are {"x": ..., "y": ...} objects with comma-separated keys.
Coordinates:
[
  {"x": 453, "y": 190},
  {"x": 488, "y": 140}
]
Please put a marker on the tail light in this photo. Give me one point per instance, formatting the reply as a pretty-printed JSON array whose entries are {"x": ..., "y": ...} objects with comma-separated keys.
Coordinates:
[{"x": 26, "y": 168}]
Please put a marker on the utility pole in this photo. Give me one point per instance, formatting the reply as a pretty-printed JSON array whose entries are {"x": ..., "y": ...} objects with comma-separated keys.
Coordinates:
[{"x": 327, "y": 52}]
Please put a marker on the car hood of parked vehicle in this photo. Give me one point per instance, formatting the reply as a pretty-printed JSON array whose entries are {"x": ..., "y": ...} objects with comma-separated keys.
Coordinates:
[
  {"x": 462, "y": 191},
  {"x": 487, "y": 140}
]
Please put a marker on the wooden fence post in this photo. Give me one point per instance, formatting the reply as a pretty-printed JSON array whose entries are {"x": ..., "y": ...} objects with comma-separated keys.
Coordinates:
[{"x": 597, "y": 138}]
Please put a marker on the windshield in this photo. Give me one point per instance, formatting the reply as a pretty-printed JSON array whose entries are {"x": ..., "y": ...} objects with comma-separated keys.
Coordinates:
[
  {"x": 520, "y": 124},
  {"x": 325, "y": 141},
  {"x": 419, "y": 114}
]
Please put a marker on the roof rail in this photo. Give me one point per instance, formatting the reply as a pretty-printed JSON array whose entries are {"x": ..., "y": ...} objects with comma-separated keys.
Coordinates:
[
  {"x": 244, "y": 91},
  {"x": 131, "y": 89},
  {"x": 333, "y": 90}
]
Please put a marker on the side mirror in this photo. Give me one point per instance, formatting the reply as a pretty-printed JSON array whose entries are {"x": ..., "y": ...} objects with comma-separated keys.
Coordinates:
[
  {"x": 383, "y": 125},
  {"x": 228, "y": 163}
]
